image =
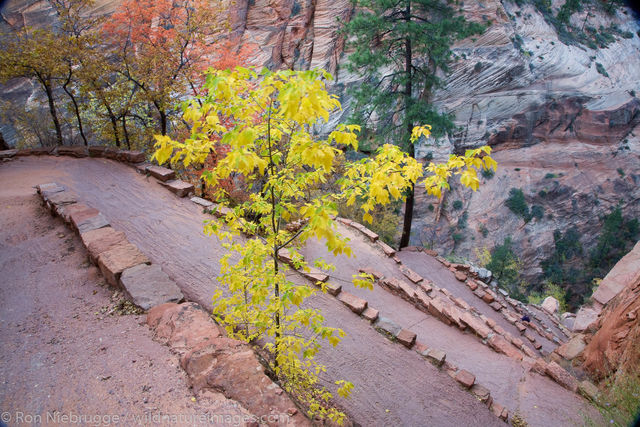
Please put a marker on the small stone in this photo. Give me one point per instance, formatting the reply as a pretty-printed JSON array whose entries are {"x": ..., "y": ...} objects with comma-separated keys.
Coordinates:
[
  {"x": 77, "y": 151},
  {"x": 96, "y": 150},
  {"x": 561, "y": 376},
  {"x": 499, "y": 344},
  {"x": 537, "y": 345},
  {"x": 430, "y": 252},
  {"x": 465, "y": 378},
  {"x": 471, "y": 284},
  {"x": 179, "y": 188},
  {"x": 148, "y": 286},
  {"x": 101, "y": 240},
  {"x": 355, "y": 304},
  {"x": 332, "y": 288},
  {"x": 528, "y": 335},
  {"x": 397, "y": 260},
  {"x": 131, "y": 156},
  {"x": 482, "y": 393},
  {"x": 93, "y": 223},
  {"x": 406, "y": 338},
  {"x": 490, "y": 322},
  {"x": 437, "y": 357},
  {"x": 495, "y": 305},
  {"x": 521, "y": 327},
  {"x": 589, "y": 390},
  {"x": 7, "y": 154},
  {"x": 114, "y": 261},
  {"x": 160, "y": 173},
  {"x": 314, "y": 274},
  {"x": 488, "y": 298},
  {"x": 388, "y": 250},
  {"x": 202, "y": 202},
  {"x": 410, "y": 274},
  {"x": 376, "y": 274},
  {"x": 461, "y": 276},
  {"x": 370, "y": 314},
  {"x": 387, "y": 327}
]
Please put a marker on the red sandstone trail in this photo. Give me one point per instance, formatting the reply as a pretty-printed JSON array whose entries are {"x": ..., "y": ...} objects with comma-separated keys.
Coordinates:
[
  {"x": 61, "y": 355},
  {"x": 393, "y": 385}
]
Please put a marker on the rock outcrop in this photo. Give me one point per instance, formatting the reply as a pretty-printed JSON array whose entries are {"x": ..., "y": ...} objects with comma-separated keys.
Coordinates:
[
  {"x": 615, "y": 345},
  {"x": 562, "y": 118}
]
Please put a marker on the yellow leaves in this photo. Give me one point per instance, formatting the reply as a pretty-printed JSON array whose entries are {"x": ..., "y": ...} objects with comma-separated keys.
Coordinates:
[
  {"x": 164, "y": 149},
  {"x": 470, "y": 179},
  {"x": 419, "y": 131}
]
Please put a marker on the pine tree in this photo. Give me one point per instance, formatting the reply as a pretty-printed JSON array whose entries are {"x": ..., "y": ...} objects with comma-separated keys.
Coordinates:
[{"x": 399, "y": 47}]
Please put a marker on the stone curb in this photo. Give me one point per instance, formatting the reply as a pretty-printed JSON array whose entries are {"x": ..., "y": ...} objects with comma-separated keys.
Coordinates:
[{"x": 111, "y": 251}]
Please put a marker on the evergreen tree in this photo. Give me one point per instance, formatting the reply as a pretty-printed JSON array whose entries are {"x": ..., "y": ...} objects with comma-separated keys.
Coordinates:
[{"x": 399, "y": 46}]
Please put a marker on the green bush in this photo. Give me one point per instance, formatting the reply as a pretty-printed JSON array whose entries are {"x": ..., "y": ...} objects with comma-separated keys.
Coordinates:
[
  {"x": 457, "y": 205},
  {"x": 550, "y": 176},
  {"x": 517, "y": 204},
  {"x": 488, "y": 173},
  {"x": 601, "y": 70},
  {"x": 537, "y": 211}
]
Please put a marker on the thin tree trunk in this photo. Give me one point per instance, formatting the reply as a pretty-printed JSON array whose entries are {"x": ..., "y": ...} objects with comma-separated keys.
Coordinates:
[
  {"x": 46, "y": 83},
  {"x": 408, "y": 206},
  {"x": 76, "y": 109},
  {"x": 125, "y": 132}
]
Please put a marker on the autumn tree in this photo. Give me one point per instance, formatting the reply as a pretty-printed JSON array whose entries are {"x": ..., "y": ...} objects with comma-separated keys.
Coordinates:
[
  {"x": 161, "y": 45},
  {"x": 34, "y": 54},
  {"x": 268, "y": 118},
  {"x": 399, "y": 47}
]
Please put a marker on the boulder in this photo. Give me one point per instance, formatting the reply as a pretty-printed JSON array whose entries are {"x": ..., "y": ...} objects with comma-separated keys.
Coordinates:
[
  {"x": 101, "y": 240},
  {"x": 219, "y": 364},
  {"x": 589, "y": 390},
  {"x": 179, "y": 188},
  {"x": 148, "y": 286},
  {"x": 117, "y": 259},
  {"x": 550, "y": 305},
  {"x": 585, "y": 318},
  {"x": 624, "y": 272},
  {"x": 355, "y": 304},
  {"x": 161, "y": 174},
  {"x": 572, "y": 348}
]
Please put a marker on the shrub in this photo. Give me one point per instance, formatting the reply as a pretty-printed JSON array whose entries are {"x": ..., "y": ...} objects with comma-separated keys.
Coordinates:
[
  {"x": 457, "y": 205},
  {"x": 550, "y": 175},
  {"x": 517, "y": 204},
  {"x": 601, "y": 70},
  {"x": 620, "y": 172},
  {"x": 537, "y": 212},
  {"x": 488, "y": 173}
]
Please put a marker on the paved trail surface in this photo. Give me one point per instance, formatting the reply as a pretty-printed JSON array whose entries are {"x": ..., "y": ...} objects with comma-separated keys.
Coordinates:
[{"x": 393, "y": 385}]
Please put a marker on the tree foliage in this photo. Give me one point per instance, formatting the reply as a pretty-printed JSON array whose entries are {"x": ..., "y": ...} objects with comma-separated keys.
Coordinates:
[
  {"x": 399, "y": 47},
  {"x": 264, "y": 121}
]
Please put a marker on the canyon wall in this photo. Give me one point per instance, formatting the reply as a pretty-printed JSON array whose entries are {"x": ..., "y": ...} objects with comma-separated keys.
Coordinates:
[{"x": 562, "y": 131}]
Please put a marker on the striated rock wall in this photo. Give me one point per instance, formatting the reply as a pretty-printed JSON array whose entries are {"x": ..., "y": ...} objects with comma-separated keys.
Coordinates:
[{"x": 541, "y": 104}]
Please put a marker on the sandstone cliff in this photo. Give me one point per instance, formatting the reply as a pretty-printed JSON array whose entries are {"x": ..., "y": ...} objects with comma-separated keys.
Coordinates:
[{"x": 563, "y": 132}]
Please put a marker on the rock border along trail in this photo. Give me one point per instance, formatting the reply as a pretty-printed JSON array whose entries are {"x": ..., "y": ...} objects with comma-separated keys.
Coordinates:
[{"x": 386, "y": 375}]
